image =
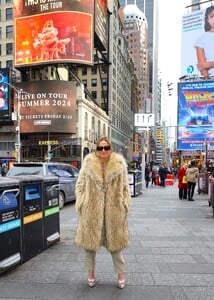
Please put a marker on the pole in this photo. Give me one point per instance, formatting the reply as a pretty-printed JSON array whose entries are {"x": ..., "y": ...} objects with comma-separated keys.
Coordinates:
[
  {"x": 18, "y": 126},
  {"x": 143, "y": 171}
]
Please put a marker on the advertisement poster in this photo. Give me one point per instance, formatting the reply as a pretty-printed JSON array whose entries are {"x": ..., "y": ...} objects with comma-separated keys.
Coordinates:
[
  {"x": 192, "y": 27},
  {"x": 54, "y": 31},
  {"x": 47, "y": 106},
  {"x": 101, "y": 22},
  {"x": 4, "y": 94},
  {"x": 197, "y": 54},
  {"x": 195, "y": 115}
]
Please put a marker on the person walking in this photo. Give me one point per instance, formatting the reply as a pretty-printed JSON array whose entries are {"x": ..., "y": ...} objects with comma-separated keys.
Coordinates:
[
  {"x": 192, "y": 177},
  {"x": 154, "y": 175},
  {"x": 182, "y": 183},
  {"x": 102, "y": 201},
  {"x": 147, "y": 175},
  {"x": 162, "y": 173}
]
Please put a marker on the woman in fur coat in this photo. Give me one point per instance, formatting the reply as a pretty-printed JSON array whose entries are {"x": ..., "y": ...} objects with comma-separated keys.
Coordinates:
[{"x": 102, "y": 202}]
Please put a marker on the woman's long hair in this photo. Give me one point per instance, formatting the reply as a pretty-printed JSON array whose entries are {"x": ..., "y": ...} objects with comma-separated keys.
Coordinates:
[
  {"x": 207, "y": 26},
  {"x": 104, "y": 138}
]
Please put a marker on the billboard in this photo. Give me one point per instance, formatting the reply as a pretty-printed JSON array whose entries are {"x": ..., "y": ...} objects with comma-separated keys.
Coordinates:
[
  {"x": 5, "y": 104},
  {"x": 195, "y": 115},
  {"x": 47, "y": 106},
  {"x": 101, "y": 24},
  {"x": 48, "y": 32},
  {"x": 197, "y": 44}
]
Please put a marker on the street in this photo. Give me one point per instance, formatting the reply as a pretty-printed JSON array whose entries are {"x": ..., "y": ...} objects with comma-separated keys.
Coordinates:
[{"x": 171, "y": 256}]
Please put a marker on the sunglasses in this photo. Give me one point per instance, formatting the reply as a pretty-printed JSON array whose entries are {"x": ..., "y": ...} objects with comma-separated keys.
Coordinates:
[{"x": 101, "y": 148}]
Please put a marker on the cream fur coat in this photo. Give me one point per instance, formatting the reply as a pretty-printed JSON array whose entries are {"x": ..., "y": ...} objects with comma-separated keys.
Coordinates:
[{"x": 97, "y": 200}]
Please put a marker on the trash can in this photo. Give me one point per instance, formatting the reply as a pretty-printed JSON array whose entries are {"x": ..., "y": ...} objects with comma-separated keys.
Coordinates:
[
  {"x": 31, "y": 196},
  {"x": 203, "y": 183},
  {"x": 135, "y": 182},
  {"x": 10, "y": 224},
  {"x": 51, "y": 220}
]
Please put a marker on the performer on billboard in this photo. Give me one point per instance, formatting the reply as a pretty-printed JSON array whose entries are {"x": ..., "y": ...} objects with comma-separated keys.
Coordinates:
[
  {"x": 47, "y": 44},
  {"x": 205, "y": 44}
]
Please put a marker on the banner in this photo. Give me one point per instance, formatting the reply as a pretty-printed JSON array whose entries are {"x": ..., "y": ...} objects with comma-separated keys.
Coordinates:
[
  {"x": 47, "y": 106},
  {"x": 195, "y": 115},
  {"x": 53, "y": 31}
]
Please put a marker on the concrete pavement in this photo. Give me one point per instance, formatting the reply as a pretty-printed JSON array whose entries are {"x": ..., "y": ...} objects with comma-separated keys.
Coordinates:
[{"x": 171, "y": 256}]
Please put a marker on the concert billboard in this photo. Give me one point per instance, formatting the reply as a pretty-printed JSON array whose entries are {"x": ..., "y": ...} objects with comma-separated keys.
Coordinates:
[
  {"x": 47, "y": 106},
  {"x": 5, "y": 105},
  {"x": 195, "y": 115},
  {"x": 48, "y": 32}
]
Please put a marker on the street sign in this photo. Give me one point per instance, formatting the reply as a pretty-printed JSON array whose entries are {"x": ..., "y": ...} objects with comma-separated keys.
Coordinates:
[{"x": 144, "y": 120}]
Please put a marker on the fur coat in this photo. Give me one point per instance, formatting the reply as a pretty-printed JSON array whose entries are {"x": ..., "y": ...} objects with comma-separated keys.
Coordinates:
[{"x": 101, "y": 202}]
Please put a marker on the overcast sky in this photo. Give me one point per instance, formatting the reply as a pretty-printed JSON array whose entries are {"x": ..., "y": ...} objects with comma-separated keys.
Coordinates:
[{"x": 170, "y": 20}]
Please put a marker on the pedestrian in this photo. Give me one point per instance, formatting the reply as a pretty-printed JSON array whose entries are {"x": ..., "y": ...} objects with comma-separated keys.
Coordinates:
[
  {"x": 162, "y": 173},
  {"x": 102, "y": 202},
  {"x": 204, "y": 46},
  {"x": 147, "y": 175},
  {"x": 182, "y": 183},
  {"x": 154, "y": 175},
  {"x": 4, "y": 170},
  {"x": 192, "y": 177}
]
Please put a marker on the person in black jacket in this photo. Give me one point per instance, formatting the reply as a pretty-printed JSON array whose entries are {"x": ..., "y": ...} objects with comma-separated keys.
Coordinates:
[{"x": 162, "y": 173}]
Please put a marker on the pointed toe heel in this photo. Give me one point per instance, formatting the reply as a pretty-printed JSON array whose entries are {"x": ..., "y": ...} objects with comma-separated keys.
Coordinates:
[{"x": 91, "y": 282}]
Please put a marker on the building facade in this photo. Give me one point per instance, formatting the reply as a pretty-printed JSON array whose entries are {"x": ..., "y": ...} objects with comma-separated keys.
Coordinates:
[{"x": 105, "y": 107}]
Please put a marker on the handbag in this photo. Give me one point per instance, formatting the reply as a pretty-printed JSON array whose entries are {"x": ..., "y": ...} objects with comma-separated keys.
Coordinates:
[{"x": 184, "y": 179}]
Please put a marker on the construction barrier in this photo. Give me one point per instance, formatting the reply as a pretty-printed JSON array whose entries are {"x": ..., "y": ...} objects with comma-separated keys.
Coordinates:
[{"x": 169, "y": 179}]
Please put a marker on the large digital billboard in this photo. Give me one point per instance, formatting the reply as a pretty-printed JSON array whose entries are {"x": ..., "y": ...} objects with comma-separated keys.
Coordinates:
[
  {"x": 5, "y": 104},
  {"x": 53, "y": 32},
  {"x": 101, "y": 24},
  {"x": 195, "y": 114},
  {"x": 197, "y": 55},
  {"x": 47, "y": 106}
]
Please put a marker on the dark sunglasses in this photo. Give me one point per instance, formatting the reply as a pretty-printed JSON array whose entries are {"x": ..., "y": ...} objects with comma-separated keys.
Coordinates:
[{"x": 101, "y": 148}]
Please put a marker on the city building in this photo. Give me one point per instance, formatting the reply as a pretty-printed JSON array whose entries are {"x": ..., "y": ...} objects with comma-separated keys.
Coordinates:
[{"x": 106, "y": 106}]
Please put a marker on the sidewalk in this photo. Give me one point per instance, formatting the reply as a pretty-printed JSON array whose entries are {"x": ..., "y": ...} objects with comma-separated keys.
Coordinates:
[{"x": 171, "y": 256}]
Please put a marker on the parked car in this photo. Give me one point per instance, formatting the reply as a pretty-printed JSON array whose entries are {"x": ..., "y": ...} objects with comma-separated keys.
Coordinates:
[{"x": 67, "y": 176}]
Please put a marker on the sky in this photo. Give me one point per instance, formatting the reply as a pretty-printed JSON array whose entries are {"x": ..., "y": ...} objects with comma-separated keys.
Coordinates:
[{"x": 170, "y": 21}]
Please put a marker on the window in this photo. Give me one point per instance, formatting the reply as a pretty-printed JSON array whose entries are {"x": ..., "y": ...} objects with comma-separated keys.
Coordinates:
[
  {"x": 0, "y": 32},
  {"x": 9, "y": 64},
  {"x": 84, "y": 71},
  {"x": 94, "y": 82},
  {"x": 9, "y": 13},
  {"x": 104, "y": 81},
  {"x": 9, "y": 31},
  {"x": 94, "y": 70},
  {"x": 104, "y": 94},
  {"x": 84, "y": 82},
  {"x": 0, "y": 14},
  {"x": 7, "y": 1},
  {"x": 104, "y": 69},
  {"x": 0, "y": 51},
  {"x": 9, "y": 48},
  {"x": 94, "y": 94}
]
